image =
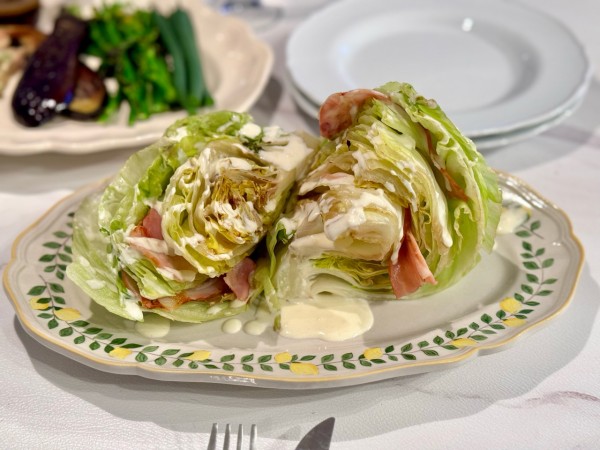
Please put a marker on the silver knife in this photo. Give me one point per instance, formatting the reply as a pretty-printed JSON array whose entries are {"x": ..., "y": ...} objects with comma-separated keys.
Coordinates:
[{"x": 319, "y": 438}]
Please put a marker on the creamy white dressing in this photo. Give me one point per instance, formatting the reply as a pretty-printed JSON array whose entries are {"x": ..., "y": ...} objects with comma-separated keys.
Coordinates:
[
  {"x": 181, "y": 132},
  {"x": 233, "y": 163},
  {"x": 361, "y": 159},
  {"x": 233, "y": 219},
  {"x": 288, "y": 157},
  {"x": 151, "y": 244},
  {"x": 193, "y": 240},
  {"x": 96, "y": 284},
  {"x": 237, "y": 303},
  {"x": 339, "y": 179},
  {"x": 312, "y": 244},
  {"x": 289, "y": 224},
  {"x": 271, "y": 205},
  {"x": 272, "y": 134},
  {"x": 215, "y": 309},
  {"x": 442, "y": 213},
  {"x": 355, "y": 215},
  {"x": 129, "y": 255},
  {"x": 511, "y": 218},
  {"x": 256, "y": 327},
  {"x": 226, "y": 125},
  {"x": 250, "y": 130},
  {"x": 153, "y": 326},
  {"x": 177, "y": 275},
  {"x": 262, "y": 320},
  {"x": 133, "y": 309},
  {"x": 83, "y": 261},
  {"x": 327, "y": 317},
  {"x": 341, "y": 224},
  {"x": 231, "y": 326}
]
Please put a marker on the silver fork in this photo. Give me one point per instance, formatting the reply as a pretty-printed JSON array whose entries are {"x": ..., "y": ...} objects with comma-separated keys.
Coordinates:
[{"x": 212, "y": 442}]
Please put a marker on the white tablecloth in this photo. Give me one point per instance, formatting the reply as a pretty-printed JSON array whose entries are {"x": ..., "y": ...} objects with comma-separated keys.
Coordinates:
[{"x": 542, "y": 393}]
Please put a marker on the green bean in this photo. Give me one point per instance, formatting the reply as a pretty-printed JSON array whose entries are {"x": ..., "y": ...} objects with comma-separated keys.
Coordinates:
[
  {"x": 179, "y": 70},
  {"x": 197, "y": 92}
]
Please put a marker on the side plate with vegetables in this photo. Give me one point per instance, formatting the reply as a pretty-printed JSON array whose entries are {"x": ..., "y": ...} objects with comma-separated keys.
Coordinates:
[{"x": 235, "y": 69}]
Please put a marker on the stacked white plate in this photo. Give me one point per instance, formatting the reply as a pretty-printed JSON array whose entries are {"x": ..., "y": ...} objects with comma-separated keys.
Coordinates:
[{"x": 501, "y": 71}]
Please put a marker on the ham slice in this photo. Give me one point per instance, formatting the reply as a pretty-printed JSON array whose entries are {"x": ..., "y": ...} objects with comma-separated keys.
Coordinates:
[
  {"x": 162, "y": 260},
  {"x": 207, "y": 290},
  {"x": 150, "y": 227},
  {"x": 238, "y": 278},
  {"x": 410, "y": 271},
  {"x": 339, "y": 110}
]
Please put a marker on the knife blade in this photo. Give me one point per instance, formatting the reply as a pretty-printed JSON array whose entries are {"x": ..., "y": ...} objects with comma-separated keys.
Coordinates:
[{"x": 319, "y": 437}]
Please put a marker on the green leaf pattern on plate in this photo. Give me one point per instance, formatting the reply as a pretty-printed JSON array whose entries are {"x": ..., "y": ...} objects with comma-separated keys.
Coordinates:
[{"x": 68, "y": 324}]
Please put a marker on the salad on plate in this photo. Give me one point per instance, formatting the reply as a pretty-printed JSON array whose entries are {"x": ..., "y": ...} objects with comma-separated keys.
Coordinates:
[
  {"x": 174, "y": 233},
  {"x": 391, "y": 203}
]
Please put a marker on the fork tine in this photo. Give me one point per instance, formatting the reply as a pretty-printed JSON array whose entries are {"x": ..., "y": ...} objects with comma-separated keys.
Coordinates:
[
  {"x": 253, "y": 437},
  {"x": 212, "y": 442},
  {"x": 227, "y": 437},
  {"x": 240, "y": 437}
]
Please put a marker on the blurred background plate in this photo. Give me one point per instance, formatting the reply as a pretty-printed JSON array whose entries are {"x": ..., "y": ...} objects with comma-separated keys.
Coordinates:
[
  {"x": 236, "y": 66},
  {"x": 520, "y": 134},
  {"x": 486, "y": 142},
  {"x": 494, "y": 67}
]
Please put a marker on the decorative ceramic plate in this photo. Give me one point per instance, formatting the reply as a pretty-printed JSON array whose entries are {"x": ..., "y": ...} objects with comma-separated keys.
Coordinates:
[
  {"x": 492, "y": 66},
  {"x": 528, "y": 279},
  {"x": 236, "y": 66}
]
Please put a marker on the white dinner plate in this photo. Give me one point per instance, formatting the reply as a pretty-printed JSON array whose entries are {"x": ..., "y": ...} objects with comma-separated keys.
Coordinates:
[
  {"x": 492, "y": 66},
  {"x": 487, "y": 142},
  {"x": 236, "y": 66},
  {"x": 527, "y": 280},
  {"x": 518, "y": 135}
]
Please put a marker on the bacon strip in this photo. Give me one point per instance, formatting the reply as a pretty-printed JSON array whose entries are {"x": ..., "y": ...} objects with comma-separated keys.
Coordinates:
[
  {"x": 410, "y": 271},
  {"x": 238, "y": 278}
]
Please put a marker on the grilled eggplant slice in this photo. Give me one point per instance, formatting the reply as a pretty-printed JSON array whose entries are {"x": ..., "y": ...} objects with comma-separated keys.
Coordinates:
[
  {"x": 89, "y": 97},
  {"x": 48, "y": 83}
]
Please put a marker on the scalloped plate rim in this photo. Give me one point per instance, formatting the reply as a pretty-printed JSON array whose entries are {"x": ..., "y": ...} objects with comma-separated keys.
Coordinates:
[{"x": 285, "y": 382}]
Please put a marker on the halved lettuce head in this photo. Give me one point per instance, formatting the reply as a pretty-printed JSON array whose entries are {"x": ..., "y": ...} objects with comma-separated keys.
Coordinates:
[
  {"x": 176, "y": 229},
  {"x": 398, "y": 204}
]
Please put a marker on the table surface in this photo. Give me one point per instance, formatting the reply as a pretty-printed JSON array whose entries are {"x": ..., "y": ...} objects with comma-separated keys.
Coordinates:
[{"x": 544, "y": 392}]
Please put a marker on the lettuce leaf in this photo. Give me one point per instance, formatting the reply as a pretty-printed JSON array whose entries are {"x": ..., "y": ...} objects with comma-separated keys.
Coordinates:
[
  {"x": 401, "y": 161},
  {"x": 218, "y": 182}
]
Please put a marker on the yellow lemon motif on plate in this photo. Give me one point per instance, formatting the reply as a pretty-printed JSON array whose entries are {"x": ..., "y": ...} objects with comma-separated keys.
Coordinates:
[
  {"x": 283, "y": 357},
  {"x": 68, "y": 314},
  {"x": 301, "y": 368},
  {"x": 513, "y": 322},
  {"x": 34, "y": 303},
  {"x": 120, "y": 352},
  {"x": 373, "y": 353},
  {"x": 199, "y": 355},
  {"x": 463, "y": 342},
  {"x": 510, "y": 305}
]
